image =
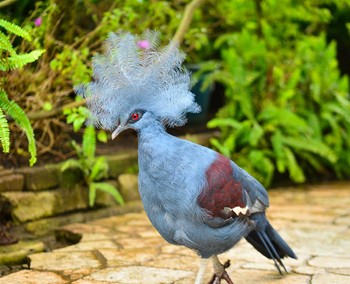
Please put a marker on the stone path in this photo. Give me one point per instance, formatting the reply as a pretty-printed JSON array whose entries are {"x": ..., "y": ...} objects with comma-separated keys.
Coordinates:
[{"x": 315, "y": 221}]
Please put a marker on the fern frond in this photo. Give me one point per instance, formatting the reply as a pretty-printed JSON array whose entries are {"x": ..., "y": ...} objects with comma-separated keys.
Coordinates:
[
  {"x": 312, "y": 146},
  {"x": 295, "y": 171},
  {"x": 5, "y": 44},
  {"x": 4, "y": 133},
  {"x": 277, "y": 146},
  {"x": 19, "y": 60},
  {"x": 16, "y": 30},
  {"x": 17, "y": 113}
]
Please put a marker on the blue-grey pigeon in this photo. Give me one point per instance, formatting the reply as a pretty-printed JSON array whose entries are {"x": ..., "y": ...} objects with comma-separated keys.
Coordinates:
[{"x": 193, "y": 196}]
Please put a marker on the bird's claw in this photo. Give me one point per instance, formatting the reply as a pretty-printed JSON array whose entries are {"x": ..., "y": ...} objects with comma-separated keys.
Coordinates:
[{"x": 217, "y": 277}]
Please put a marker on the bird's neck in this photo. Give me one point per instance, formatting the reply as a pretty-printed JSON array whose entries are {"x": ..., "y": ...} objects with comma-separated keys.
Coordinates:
[{"x": 152, "y": 130}]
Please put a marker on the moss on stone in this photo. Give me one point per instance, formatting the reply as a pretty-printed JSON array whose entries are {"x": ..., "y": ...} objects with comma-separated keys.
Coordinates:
[{"x": 17, "y": 253}]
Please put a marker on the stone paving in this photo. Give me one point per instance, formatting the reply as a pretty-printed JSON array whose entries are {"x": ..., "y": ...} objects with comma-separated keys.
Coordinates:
[{"x": 125, "y": 249}]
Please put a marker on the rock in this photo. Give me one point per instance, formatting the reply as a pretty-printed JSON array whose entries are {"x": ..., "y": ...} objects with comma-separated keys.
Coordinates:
[
  {"x": 17, "y": 253},
  {"x": 128, "y": 187},
  {"x": 119, "y": 164},
  {"x": 44, "y": 226},
  {"x": 27, "y": 206},
  {"x": 11, "y": 182},
  {"x": 40, "y": 178}
]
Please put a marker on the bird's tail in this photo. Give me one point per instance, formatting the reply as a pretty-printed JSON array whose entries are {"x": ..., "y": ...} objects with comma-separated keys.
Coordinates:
[{"x": 267, "y": 241}]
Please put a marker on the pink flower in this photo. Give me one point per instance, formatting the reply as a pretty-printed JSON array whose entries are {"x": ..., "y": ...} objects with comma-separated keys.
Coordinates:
[
  {"x": 144, "y": 44},
  {"x": 37, "y": 21}
]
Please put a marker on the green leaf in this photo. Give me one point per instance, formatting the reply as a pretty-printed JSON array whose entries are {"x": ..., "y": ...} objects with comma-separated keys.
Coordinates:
[
  {"x": 47, "y": 106},
  {"x": 89, "y": 143},
  {"x": 263, "y": 164},
  {"x": 222, "y": 122},
  {"x": 71, "y": 164},
  {"x": 19, "y": 60},
  {"x": 19, "y": 116},
  {"x": 78, "y": 123},
  {"x": 13, "y": 28},
  {"x": 311, "y": 145},
  {"x": 110, "y": 189},
  {"x": 6, "y": 45},
  {"x": 222, "y": 149},
  {"x": 92, "y": 194},
  {"x": 99, "y": 169},
  {"x": 255, "y": 135},
  {"x": 102, "y": 136},
  {"x": 278, "y": 149},
  {"x": 4, "y": 133},
  {"x": 295, "y": 171}
]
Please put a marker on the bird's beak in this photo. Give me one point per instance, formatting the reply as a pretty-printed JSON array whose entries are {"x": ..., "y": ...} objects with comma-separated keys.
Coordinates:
[{"x": 118, "y": 130}]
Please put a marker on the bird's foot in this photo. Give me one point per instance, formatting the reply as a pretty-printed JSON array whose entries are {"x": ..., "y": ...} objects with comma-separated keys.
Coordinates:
[{"x": 220, "y": 273}]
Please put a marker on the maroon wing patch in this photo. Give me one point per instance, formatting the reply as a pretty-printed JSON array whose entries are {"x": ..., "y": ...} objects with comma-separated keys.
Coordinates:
[{"x": 222, "y": 196}]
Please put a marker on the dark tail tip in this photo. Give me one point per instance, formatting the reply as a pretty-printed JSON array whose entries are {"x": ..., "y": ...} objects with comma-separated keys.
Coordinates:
[{"x": 270, "y": 244}]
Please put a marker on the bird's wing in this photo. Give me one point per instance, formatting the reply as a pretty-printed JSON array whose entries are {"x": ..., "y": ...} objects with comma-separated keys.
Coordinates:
[{"x": 230, "y": 192}]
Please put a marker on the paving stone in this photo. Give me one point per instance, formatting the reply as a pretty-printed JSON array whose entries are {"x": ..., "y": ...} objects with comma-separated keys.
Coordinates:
[
  {"x": 126, "y": 257},
  {"x": 91, "y": 245},
  {"x": 330, "y": 262},
  {"x": 317, "y": 242},
  {"x": 342, "y": 271},
  {"x": 262, "y": 266},
  {"x": 171, "y": 261},
  {"x": 32, "y": 277},
  {"x": 245, "y": 276},
  {"x": 136, "y": 242},
  {"x": 138, "y": 274},
  {"x": 309, "y": 270},
  {"x": 330, "y": 278},
  {"x": 343, "y": 220},
  {"x": 58, "y": 261},
  {"x": 75, "y": 274}
]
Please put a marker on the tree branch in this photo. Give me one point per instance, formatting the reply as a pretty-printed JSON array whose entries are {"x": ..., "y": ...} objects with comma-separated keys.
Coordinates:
[
  {"x": 6, "y": 3},
  {"x": 186, "y": 20}
]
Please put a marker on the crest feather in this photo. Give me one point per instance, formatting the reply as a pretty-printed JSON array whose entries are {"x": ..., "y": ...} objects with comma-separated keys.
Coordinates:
[{"x": 133, "y": 73}]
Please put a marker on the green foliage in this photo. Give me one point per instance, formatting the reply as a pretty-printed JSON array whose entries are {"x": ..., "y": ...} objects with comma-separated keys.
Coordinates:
[
  {"x": 287, "y": 107},
  {"x": 10, "y": 60},
  {"x": 77, "y": 116},
  {"x": 94, "y": 168}
]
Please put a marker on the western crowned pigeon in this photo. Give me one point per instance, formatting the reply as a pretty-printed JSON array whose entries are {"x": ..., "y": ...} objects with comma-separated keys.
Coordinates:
[{"x": 193, "y": 196}]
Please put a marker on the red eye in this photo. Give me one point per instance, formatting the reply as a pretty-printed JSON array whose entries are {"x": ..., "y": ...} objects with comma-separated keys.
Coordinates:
[{"x": 135, "y": 116}]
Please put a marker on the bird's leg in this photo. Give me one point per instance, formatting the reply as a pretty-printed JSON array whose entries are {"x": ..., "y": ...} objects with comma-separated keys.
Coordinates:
[
  {"x": 202, "y": 267},
  {"x": 219, "y": 271}
]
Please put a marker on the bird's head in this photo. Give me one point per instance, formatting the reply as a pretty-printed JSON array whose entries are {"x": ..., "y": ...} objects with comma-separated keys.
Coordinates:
[
  {"x": 136, "y": 119},
  {"x": 135, "y": 82}
]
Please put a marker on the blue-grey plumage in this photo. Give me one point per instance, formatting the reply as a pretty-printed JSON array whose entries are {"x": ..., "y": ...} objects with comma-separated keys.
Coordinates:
[
  {"x": 192, "y": 195},
  {"x": 169, "y": 185}
]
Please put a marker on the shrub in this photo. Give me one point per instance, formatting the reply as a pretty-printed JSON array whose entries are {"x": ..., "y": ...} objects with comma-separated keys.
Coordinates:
[{"x": 287, "y": 107}]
